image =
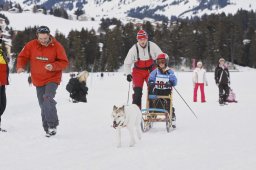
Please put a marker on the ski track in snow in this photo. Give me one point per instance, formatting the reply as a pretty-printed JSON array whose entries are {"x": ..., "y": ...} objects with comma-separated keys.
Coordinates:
[{"x": 222, "y": 138}]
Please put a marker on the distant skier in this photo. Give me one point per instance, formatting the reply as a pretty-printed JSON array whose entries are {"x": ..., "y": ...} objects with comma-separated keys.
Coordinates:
[
  {"x": 142, "y": 55},
  {"x": 199, "y": 80},
  {"x": 101, "y": 75},
  {"x": 222, "y": 79}
]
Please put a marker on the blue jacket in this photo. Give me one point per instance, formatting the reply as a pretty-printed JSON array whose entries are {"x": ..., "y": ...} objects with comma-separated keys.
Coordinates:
[{"x": 157, "y": 77}]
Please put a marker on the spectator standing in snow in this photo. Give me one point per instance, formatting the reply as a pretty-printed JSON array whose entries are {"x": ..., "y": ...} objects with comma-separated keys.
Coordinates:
[
  {"x": 4, "y": 73},
  {"x": 222, "y": 79},
  {"x": 199, "y": 80},
  {"x": 142, "y": 55},
  {"x": 47, "y": 59}
]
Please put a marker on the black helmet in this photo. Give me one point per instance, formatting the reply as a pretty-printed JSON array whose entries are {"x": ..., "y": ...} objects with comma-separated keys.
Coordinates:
[{"x": 43, "y": 29}]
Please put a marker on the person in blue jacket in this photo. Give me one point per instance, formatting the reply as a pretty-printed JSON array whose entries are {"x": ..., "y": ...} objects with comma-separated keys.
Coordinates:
[{"x": 161, "y": 80}]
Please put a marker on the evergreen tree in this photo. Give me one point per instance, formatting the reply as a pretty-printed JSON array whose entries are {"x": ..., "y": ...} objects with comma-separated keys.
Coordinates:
[{"x": 113, "y": 50}]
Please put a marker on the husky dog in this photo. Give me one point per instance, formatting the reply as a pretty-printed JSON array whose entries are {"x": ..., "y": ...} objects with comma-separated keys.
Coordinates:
[{"x": 127, "y": 116}]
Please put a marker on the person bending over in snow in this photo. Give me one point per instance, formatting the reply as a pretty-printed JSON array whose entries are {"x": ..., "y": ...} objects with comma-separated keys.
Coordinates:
[{"x": 77, "y": 87}]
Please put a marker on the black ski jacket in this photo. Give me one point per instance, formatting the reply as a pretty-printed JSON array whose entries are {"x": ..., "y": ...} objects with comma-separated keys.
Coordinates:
[{"x": 222, "y": 75}]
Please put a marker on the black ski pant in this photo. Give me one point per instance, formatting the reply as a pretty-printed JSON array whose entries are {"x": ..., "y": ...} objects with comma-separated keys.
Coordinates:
[
  {"x": 45, "y": 95},
  {"x": 137, "y": 95},
  {"x": 223, "y": 92},
  {"x": 2, "y": 100}
]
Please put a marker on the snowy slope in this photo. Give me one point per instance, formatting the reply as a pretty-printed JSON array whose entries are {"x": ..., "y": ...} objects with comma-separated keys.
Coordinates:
[
  {"x": 222, "y": 138},
  {"x": 120, "y": 8},
  {"x": 22, "y": 20}
]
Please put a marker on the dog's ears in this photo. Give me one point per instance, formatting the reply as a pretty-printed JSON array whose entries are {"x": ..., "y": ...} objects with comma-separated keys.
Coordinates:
[
  {"x": 114, "y": 107},
  {"x": 122, "y": 108}
]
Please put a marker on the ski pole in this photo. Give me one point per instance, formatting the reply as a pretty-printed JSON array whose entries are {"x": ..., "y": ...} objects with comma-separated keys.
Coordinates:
[
  {"x": 185, "y": 102},
  {"x": 128, "y": 93}
]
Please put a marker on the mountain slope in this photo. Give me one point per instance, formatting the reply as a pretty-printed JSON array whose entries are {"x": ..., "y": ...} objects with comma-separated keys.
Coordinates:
[{"x": 140, "y": 9}]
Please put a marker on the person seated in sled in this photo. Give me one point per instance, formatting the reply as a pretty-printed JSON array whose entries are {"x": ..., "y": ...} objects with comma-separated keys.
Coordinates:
[
  {"x": 161, "y": 80},
  {"x": 77, "y": 87}
]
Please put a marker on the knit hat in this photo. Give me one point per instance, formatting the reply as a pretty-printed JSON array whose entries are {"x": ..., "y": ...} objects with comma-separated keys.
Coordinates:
[
  {"x": 142, "y": 35},
  {"x": 221, "y": 59},
  {"x": 199, "y": 63},
  {"x": 43, "y": 30}
]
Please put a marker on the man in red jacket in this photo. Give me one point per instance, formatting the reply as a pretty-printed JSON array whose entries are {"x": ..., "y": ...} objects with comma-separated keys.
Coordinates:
[
  {"x": 4, "y": 72},
  {"x": 47, "y": 59}
]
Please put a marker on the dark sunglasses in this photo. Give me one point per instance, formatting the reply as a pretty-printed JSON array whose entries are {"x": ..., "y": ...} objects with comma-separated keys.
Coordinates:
[{"x": 43, "y": 30}]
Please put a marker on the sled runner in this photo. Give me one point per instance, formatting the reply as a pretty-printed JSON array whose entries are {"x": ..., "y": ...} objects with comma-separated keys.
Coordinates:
[{"x": 158, "y": 109}]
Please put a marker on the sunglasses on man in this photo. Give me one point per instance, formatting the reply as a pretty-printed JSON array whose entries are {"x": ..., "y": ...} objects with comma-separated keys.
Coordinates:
[{"x": 43, "y": 29}]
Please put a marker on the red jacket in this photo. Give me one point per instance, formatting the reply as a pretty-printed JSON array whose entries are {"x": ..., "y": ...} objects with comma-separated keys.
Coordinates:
[
  {"x": 4, "y": 70},
  {"x": 39, "y": 56}
]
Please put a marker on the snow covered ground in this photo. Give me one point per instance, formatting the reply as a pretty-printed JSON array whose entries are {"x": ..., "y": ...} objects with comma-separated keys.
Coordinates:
[
  {"x": 222, "y": 138},
  {"x": 64, "y": 26}
]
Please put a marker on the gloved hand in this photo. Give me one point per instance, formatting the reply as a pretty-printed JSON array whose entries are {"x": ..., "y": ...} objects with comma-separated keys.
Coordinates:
[
  {"x": 168, "y": 84},
  {"x": 129, "y": 78},
  {"x": 29, "y": 80},
  {"x": 151, "y": 84}
]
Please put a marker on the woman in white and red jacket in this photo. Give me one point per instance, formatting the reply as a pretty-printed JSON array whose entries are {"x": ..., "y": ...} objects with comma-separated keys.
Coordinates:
[
  {"x": 199, "y": 80},
  {"x": 4, "y": 72}
]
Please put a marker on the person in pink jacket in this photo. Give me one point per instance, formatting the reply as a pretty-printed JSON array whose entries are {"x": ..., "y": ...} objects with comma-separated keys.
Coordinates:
[{"x": 199, "y": 80}]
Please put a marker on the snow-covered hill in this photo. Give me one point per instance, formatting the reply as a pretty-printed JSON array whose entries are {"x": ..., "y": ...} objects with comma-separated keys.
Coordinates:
[
  {"x": 222, "y": 138},
  {"x": 120, "y": 9},
  {"x": 19, "y": 21},
  {"x": 123, "y": 8}
]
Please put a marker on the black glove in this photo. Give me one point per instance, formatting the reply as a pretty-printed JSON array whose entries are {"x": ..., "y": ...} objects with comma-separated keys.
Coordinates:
[
  {"x": 129, "y": 78},
  {"x": 168, "y": 84},
  {"x": 151, "y": 84},
  {"x": 29, "y": 80}
]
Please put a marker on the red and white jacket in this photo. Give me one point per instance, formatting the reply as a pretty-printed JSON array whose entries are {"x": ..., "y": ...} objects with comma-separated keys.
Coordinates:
[{"x": 144, "y": 55}]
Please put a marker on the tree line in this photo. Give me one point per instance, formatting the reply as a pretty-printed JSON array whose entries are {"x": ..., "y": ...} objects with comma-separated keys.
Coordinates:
[{"x": 206, "y": 38}]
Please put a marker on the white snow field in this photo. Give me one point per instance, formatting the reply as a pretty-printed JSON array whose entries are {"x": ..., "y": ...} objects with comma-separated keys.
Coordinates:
[{"x": 222, "y": 138}]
